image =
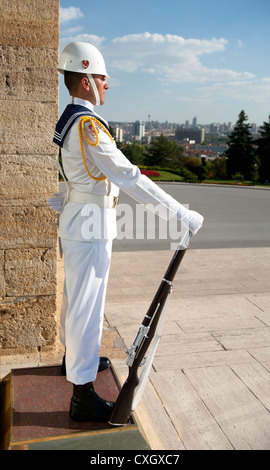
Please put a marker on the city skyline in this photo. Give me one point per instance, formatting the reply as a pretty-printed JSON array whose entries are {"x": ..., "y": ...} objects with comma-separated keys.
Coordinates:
[{"x": 177, "y": 60}]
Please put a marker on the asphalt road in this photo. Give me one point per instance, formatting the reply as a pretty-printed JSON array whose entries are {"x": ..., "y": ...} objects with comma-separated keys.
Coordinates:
[{"x": 234, "y": 217}]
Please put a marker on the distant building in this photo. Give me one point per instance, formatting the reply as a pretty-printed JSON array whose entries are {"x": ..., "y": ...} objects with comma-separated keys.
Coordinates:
[
  {"x": 139, "y": 130},
  {"x": 118, "y": 134},
  {"x": 191, "y": 134},
  {"x": 253, "y": 128}
]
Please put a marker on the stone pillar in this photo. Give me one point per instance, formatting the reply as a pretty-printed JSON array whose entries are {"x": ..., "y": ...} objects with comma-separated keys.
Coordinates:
[{"x": 29, "y": 37}]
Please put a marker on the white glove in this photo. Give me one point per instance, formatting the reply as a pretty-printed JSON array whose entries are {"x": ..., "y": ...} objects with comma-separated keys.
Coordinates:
[
  {"x": 193, "y": 220},
  {"x": 56, "y": 202}
]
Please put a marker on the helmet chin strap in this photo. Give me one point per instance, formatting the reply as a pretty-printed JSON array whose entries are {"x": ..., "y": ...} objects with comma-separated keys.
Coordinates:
[{"x": 95, "y": 90}]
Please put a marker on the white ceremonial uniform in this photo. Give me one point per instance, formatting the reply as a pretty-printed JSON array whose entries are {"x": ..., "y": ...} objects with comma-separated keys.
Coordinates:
[{"x": 87, "y": 232}]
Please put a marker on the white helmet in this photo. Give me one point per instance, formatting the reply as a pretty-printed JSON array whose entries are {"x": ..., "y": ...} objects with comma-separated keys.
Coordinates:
[{"x": 82, "y": 57}]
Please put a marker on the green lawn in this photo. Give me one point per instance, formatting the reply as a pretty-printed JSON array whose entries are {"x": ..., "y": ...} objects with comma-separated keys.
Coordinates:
[{"x": 167, "y": 176}]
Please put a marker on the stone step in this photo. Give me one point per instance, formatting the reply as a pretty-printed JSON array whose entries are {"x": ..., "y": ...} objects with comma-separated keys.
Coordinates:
[{"x": 35, "y": 414}]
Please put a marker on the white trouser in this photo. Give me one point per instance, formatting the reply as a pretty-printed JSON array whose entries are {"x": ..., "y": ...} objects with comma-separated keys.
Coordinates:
[{"x": 87, "y": 268}]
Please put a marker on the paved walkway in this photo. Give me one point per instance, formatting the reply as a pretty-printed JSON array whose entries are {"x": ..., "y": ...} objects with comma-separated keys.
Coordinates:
[{"x": 210, "y": 382}]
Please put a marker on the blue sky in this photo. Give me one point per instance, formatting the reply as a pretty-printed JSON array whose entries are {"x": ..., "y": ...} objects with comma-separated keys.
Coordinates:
[{"x": 175, "y": 59}]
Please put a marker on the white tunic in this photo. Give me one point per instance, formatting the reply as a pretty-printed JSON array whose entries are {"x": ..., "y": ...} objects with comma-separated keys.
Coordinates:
[{"x": 104, "y": 159}]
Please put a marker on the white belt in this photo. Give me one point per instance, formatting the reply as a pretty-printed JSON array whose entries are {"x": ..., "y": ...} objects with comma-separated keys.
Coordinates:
[{"x": 108, "y": 202}]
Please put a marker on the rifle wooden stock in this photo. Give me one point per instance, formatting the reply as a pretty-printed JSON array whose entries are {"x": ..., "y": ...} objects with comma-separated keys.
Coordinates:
[{"x": 123, "y": 406}]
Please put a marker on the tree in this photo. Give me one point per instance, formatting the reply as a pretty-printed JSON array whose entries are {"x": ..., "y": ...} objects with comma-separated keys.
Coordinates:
[
  {"x": 203, "y": 169},
  {"x": 134, "y": 152},
  {"x": 199, "y": 166},
  {"x": 241, "y": 158},
  {"x": 164, "y": 152},
  {"x": 219, "y": 168},
  {"x": 263, "y": 152}
]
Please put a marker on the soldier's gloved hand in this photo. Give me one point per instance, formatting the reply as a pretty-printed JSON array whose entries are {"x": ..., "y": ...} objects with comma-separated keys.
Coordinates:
[{"x": 192, "y": 219}]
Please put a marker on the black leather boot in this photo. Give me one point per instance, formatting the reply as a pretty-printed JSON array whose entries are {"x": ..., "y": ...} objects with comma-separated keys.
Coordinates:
[
  {"x": 86, "y": 405},
  {"x": 104, "y": 363}
]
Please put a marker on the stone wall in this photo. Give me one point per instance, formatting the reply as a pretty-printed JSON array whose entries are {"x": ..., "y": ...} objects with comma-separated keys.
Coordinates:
[{"x": 29, "y": 37}]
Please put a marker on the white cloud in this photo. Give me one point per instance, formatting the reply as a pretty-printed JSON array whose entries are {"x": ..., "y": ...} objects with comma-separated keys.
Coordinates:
[
  {"x": 91, "y": 38},
  {"x": 69, "y": 14},
  {"x": 209, "y": 45},
  {"x": 170, "y": 57},
  {"x": 72, "y": 31},
  {"x": 257, "y": 91},
  {"x": 68, "y": 35}
]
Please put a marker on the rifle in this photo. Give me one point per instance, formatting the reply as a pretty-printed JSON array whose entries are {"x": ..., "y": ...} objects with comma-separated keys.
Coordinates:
[{"x": 133, "y": 387}]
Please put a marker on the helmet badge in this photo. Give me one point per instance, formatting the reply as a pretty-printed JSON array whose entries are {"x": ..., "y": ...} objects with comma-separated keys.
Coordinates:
[{"x": 85, "y": 63}]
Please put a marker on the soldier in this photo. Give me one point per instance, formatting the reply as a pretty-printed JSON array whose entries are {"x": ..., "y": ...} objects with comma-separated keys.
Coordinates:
[{"x": 95, "y": 169}]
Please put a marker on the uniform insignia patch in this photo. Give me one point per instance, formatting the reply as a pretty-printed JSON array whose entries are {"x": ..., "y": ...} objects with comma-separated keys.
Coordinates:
[
  {"x": 85, "y": 63},
  {"x": 91, "y": 130}
]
